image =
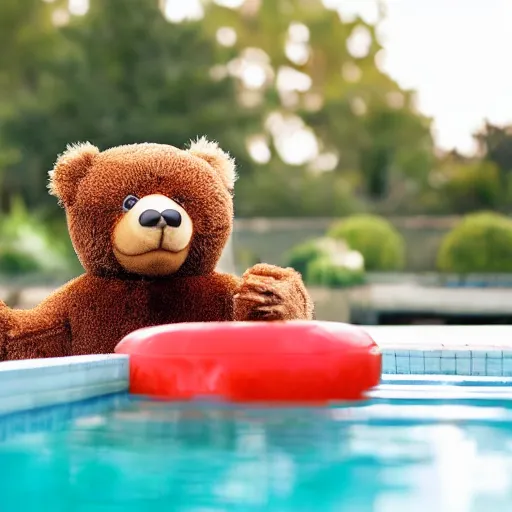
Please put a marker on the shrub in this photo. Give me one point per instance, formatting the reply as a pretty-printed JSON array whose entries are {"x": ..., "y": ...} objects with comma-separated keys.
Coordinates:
[
  {"x": 380, "y": 244},
  {"x": 27, "y": 246},
  {"x": 303, "y": 254},
  {"x": 15, "y": 263},
  {"x": 481, "y": 243},
  {"x": 326, "y": 262},
  {"x": 323, "y": 272}
]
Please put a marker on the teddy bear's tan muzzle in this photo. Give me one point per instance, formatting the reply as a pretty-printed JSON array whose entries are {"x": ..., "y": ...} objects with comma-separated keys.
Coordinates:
[{"x": 153, "y": 236}]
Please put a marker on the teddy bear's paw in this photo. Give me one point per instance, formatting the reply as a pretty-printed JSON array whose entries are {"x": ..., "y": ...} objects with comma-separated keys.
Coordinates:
[{"x": 271, "y": 293}]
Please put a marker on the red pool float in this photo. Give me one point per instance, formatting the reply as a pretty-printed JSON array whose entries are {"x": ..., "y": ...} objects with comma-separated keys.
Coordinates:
[{"x": 253, "y": 361}]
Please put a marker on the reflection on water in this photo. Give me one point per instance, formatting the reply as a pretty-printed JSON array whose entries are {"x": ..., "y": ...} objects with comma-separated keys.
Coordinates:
[{"x": 124, "y": 454}]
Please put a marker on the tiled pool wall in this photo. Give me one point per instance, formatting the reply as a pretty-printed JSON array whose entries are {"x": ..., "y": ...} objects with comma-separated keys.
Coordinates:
[
  {"x": 445, "y": 350},
  {"x": 491, "y": 363},
  {"x": 473, "y": 351}
]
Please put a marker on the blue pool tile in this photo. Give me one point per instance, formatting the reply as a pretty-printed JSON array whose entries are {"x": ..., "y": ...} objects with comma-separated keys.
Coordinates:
[
  {"x": 507, "y": 367},
  {"x": 492, "y": 363},
  {"x": 432, "y": 365},
  {"x": 448, "y": 366},
  {"x": 417, "y": 363},
  {"x": 388, "y": 363},
  {"x": 433, "y": 354},
  {"x": 403, "y": 364},
  {"x": 403, "y": 353},
  {"x": 478, "y": 364},
  {"x": 494, "y": 354},
  {"x": 494, "y": 367},
  {"x": 463, "y": 365}
]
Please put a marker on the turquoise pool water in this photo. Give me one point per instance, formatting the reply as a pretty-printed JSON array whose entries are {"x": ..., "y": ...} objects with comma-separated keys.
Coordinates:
[{"x": 421, "y": 445}]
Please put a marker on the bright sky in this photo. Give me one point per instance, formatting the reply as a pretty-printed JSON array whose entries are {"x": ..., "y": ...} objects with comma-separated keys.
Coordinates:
[{"x": 456, "y": 54}]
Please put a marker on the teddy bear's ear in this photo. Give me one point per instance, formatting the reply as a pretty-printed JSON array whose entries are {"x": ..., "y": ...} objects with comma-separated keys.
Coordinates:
[
  {"x": 70, "y": 167},
  {"x": 221, "y": 161}
]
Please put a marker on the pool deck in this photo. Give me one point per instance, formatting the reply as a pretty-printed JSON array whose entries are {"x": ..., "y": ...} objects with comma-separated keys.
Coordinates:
[
  {"x": 446, "y": 351},
  {"x": 438, "y": 300}
]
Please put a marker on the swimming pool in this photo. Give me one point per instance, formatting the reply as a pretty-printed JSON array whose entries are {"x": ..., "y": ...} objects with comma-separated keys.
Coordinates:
[
  {"x": 435, "y": 436},
  {"x": 419, "y": 443}
]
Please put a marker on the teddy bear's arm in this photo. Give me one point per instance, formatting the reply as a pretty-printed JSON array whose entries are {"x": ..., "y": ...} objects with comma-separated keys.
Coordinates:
[
  {"x": 268, "y": 292},
  {"x": 35, "y": 333}
]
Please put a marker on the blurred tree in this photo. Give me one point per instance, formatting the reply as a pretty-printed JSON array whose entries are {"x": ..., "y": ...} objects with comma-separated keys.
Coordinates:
[
  {"x": 495, "y": 143},
  {"x": 128, "y": 76},
  {"x": 326, "y": 71},
  {"x": 464, "y": 185},
  {"x": 474, "y": 186},
  {"x": 291, "y": 90},
  {"x": 29, "y": 46}
]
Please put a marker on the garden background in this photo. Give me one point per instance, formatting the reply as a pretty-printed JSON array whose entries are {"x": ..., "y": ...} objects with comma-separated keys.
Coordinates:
[{"x": 339, "y": 171}]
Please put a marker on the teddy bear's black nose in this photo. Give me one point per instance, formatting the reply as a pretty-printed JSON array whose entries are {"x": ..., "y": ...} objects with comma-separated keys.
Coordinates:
[
  {"x": 152, "y": 218},
  {"x": 172, "y": 218},
  {"x": 149, "y": 218}
]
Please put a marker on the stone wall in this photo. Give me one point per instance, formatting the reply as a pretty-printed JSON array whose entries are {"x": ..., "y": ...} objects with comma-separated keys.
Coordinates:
[{"x": 269, "y": 239}]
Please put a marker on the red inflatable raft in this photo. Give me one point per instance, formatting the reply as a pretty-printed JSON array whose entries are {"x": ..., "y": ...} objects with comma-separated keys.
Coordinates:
[{"x": 253, "y": 361}]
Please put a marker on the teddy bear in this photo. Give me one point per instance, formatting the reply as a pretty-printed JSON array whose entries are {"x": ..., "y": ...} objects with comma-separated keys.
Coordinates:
[{"x": 148, "y": 223}]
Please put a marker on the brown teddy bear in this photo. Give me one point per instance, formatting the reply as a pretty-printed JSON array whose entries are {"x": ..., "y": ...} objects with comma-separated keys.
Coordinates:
[{"x": 148, "y": 223}]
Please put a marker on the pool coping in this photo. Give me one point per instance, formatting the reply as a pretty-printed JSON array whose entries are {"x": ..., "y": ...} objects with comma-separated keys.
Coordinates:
[
  {"x": 36, "y": 383},
  {"x": 423, "y": 352}
]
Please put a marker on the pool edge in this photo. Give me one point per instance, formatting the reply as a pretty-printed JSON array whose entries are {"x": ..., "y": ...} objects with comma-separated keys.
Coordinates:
[
  {"x": 36, "y": 383},
  {"x": 421, "y": 352},
  {"x": 445, "y": 350}
]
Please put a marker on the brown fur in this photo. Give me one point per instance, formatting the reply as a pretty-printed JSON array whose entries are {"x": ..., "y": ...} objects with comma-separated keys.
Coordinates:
[{"x": 92, "y": 313}]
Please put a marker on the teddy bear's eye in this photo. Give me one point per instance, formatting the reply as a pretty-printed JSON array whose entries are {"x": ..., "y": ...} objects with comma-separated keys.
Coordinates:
[
  {"x": 178, "y": 200},
  {"x": 129, "y": 202}
]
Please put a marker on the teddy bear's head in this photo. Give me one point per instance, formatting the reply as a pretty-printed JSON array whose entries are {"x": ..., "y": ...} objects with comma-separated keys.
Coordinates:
[{"x": 146, "y": 209}]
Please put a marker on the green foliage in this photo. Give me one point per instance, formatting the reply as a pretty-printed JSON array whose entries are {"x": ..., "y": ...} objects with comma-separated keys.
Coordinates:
[
  {"x": 15, "y": 262},
  {"x": 323, "y": 272},
  {"x": 496, "y": 146},
  {"x": 274, "y": 192},
  {"x": 481, "y": 243},
  {"x": 375, "y": 238},
  {"x": 399, "y": 141},
  {"x": 466, "y": 186},
  {"x": 28, "y": 245},
  {"x": 122, "y": 73},
  {"x": 319, "y": 261},
  {"x": 302, "y": 255}
]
